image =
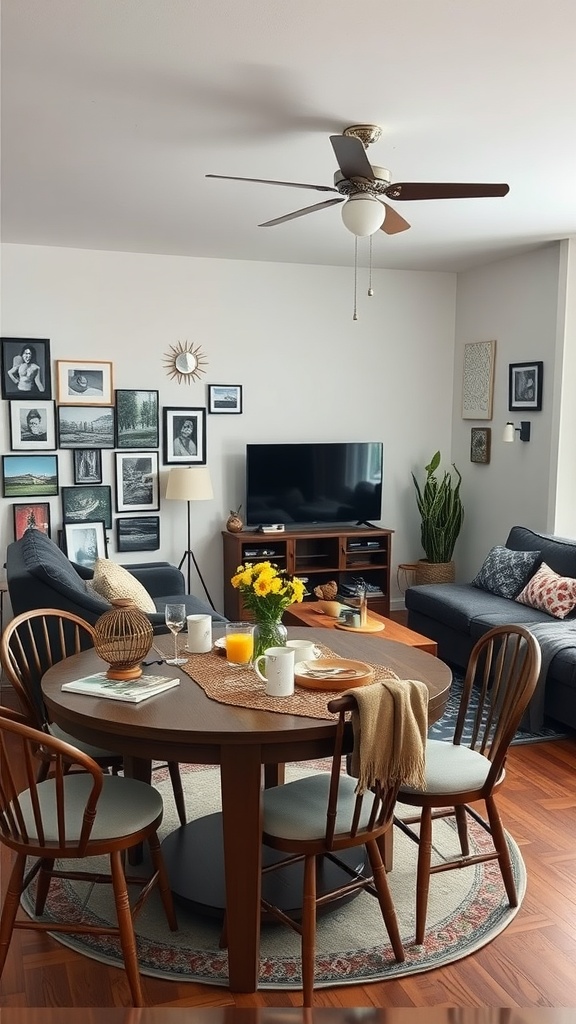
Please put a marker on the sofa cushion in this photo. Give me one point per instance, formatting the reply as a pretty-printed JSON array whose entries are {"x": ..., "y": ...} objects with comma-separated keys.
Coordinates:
[
  {"x": 550, "y": 592},
  {"x": 454, "y": 604},
  {"x": 113, "y": 581},
  {"x": 506, "y": 572},
  {"x": 558, "y": 552},
  {"x": 44, "y": 560}
]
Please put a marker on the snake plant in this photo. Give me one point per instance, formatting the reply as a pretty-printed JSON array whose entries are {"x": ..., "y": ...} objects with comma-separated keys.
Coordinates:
[{"x": 441, "y": 511}]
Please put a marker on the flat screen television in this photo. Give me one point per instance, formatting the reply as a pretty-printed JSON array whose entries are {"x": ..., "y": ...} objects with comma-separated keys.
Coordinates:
[{"x": 333, "y": 483}]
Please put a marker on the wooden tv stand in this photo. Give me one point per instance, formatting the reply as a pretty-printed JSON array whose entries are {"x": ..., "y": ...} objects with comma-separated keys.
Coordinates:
[{"x": 317, "y": 555}]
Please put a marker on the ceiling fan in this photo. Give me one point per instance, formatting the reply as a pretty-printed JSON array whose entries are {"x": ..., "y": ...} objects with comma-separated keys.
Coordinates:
[{"x": 362, "y": 187}]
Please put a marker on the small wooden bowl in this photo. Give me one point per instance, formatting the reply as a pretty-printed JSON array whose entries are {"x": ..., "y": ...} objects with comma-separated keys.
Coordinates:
[{"x": 322, "y": 675}]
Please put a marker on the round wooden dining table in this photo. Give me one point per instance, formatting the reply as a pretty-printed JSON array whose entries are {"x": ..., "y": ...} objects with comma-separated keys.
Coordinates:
[{"x": 184, "y": 725}]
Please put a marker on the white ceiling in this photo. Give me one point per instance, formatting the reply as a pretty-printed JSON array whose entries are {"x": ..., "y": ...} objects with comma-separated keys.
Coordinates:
[{"x": 113, "y": 111}]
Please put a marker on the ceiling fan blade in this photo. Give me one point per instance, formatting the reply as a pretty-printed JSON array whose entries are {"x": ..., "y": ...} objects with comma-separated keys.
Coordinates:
[
  {"x": 302, "y": 213},
  {"x": 393, "y": 222},
  {"x": 267, "y": 181},
  {"x": 351, "y": 157},
  {"x": 444, "y": 190}
]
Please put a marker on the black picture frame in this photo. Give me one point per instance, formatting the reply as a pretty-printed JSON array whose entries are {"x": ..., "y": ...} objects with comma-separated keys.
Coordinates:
[
  {"x": 136, "y": 419},
  {"x": 33, "y": 426},
  {"x": 29, "y": 476},
  {"x": 87, "y": 504},
  {"x": 86, "y": 426},
  {"x": 30, "y": 384},
  {"x": 225, "y": 399},
  {"x": 137, "y": 533},
  {"x": 175, "y": 421},
  {"x": 525, "y": 381},
  {"x": 480, "y": 442},
  {"x": 31, "y": 515},
  {"x": 87, "y": 464},
  {"x": 137, "y": 482}
]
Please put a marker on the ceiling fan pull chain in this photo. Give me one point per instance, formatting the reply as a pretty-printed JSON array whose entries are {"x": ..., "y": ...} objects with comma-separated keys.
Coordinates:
[
  {"x": 355, "y": 315},
  {"x": 370, "y": 289}
]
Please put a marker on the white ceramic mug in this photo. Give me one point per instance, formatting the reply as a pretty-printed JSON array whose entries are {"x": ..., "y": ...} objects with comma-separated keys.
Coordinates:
[
  {"x": 304, "y": 650},
  {"x": 278, "y": 674},
  {"x": 199, "y": 634}
]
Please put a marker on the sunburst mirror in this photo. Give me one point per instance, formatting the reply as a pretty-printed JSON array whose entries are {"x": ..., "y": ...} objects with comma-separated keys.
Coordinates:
[{"x": 184, "y": 362}]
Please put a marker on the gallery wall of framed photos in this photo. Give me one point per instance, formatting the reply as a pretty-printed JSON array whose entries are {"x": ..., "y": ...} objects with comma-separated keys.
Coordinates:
[{"x": 94, "y": 448}]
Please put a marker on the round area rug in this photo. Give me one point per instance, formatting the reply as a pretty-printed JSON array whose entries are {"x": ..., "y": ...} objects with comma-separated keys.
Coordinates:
[{"x": 467, "y": 909}]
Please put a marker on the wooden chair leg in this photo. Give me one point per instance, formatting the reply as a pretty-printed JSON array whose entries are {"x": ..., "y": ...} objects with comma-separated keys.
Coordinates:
[
  {"x": 163, "y": 882},
  {"x": 10, "y": 908},
  {"x": 174, "y": 770},
  {"x": 423, "y": 873},
  {"x": 501, "y": 846},
  {"x": 126, "y": 928},
  {"x": 308, "y": 930},
  {"x": 462, "y": 826},
  {"x": 385, "y": 899},
  {"x": 44, "y": 879}
]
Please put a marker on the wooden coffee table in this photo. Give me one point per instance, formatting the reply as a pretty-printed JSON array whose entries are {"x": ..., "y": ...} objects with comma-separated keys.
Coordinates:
[{"x": 305, "y": 614}]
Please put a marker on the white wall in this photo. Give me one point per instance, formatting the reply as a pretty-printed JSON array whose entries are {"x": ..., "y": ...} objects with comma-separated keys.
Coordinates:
[
  {"x": 563, "y": 498},
  {"x": 516, "y": 302},
  {"x": 285, "y": 332}
]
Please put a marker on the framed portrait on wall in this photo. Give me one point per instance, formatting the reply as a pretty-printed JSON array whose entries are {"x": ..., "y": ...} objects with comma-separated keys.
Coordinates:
[
  {"x": 32, "y": 426},
  {"x": 478, "y": 380},
  {"x": 25, "y": 368},
  {"x": 184, "y": 436}
]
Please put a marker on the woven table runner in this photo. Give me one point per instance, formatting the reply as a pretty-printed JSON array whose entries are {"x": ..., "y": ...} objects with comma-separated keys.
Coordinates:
[{"x": 242, "y": 687}]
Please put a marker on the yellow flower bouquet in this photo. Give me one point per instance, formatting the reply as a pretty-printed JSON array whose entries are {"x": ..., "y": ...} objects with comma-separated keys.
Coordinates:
[{"x": 266, "y": 591}]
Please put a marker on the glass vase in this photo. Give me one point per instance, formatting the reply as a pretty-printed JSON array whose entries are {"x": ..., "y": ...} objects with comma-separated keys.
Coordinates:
[{"x": 269, "y": 633}]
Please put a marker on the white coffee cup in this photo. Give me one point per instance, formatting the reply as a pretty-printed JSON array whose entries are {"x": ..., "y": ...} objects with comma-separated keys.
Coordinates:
[
  {"x": 278, "y": 672},
  {"x": 304, "y": 650},
  {"x": 199, "y": 634}
]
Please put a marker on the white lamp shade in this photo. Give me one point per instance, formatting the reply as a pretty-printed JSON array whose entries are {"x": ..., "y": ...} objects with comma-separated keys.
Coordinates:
[
  {"x": 363, "y": 215},
  {"x": 189, "y": 483},
  {"x": 508, "y": 434}
]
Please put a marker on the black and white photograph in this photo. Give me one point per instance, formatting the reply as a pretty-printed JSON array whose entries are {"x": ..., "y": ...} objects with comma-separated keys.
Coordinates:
[
  {"x": 26, "y": 368},
  {"x": 87, "y": 504},
  {"x": 525, "y": 386},
  {"x": 32, "y": 426},
  {"x": 184, "y": 436},
  {"x": 138, "y": 533},
  {"x": 89, "y": 427},
  {"x": 84, "y": 382},
  {"x": 136, "y": 419},
  {"x": 29, "y": 476},
  {"x": 225, "y": 398},
  {"x": 85, "y": 542},
  {"x": 31, "y": 516},
  {"x": 137, "y": 482},
  {"x": 87, "y": 465}
]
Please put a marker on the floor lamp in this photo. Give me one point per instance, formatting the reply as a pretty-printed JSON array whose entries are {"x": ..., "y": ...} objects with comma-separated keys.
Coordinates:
[{"x": 190, "y": 483}]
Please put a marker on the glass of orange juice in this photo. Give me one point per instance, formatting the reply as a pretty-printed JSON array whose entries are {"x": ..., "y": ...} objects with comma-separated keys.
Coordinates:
[{"x": 239, "y": 643}]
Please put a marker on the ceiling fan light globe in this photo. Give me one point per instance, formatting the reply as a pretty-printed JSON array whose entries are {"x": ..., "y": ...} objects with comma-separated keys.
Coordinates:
[{"x": 363, "y": 215}]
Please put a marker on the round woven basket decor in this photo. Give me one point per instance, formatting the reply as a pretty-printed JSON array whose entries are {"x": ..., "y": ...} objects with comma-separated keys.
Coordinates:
[{"x": 434, "y": 572}]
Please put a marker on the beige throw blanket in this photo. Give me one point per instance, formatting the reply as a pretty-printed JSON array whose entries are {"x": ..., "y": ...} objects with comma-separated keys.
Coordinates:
[{"x": 390, "y": 727}]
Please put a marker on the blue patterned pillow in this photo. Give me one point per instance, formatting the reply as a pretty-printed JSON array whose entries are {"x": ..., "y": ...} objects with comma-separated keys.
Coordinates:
[{"x": 506, "y": 572}]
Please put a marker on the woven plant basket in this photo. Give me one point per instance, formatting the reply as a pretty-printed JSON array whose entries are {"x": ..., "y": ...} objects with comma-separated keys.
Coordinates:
[{"x": 434, "y": 572}]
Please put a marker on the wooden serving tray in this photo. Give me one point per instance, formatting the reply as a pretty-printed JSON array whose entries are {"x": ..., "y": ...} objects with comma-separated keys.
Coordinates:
[
  {"x": 372, "y": 626},
  {"x": 357, "y": 673}
]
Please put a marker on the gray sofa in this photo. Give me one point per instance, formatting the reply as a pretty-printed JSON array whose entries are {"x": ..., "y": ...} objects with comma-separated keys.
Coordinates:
[
  {"x": 39, "y": 575},
  {"x": 457, "y": 614}
]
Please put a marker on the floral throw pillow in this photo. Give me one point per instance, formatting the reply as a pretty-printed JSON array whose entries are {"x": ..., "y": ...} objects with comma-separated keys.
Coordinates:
[
  {"x": 505, "y": 572},
  {"x": 550, "y": 592}
]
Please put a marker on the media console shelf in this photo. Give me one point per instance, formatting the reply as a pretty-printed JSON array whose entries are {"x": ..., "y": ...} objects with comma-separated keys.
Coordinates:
[{"x": 317, "y": 556}]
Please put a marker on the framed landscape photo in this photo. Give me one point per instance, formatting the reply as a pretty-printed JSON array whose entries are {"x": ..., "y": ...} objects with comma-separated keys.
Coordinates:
[
  {"x": 87, "y": 465},
  {"x": 478, "y": 380},
  {"x": 225, "y": 398},
  {"x": 184, "y": 436},
  {"x": 83, "y": 382},
  {"x": 87, "y": 504},
  {"x": 33, "y": 515},
  {"x": 85, "y": 542},
  {"x": 525, "y": 386},
  {"x": 32, "y": 426},
  {"x": 89, "y": 427},
  {"x": 138, "y": 533},
  {"x": 29, "y": 476},
  {"x": 137, "y": 482},
  {"x": 25, "y": 368},
  {"x": 137, "y": 419},
  {"x": 480, "y": 438}
]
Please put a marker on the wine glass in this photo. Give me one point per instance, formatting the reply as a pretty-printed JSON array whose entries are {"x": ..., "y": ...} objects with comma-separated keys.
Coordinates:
[{"x": 175, "y": 616}]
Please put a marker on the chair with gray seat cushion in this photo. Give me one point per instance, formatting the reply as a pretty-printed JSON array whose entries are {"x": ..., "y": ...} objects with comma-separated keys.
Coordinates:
[
  {"x": 30, "y": 645},
  {"x": 502, "y": 672},
  {"x": 72, "y": 817}
]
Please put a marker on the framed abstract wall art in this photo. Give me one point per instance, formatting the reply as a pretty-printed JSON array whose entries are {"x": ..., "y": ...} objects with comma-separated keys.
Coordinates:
[
  {"x": 525, "y": 386},
  {"x": 478, "y": 380},
  {"x": 480, "y": 438},
  {"x": 84, "y": 382},
  {"x": 31, "y": 515}
]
